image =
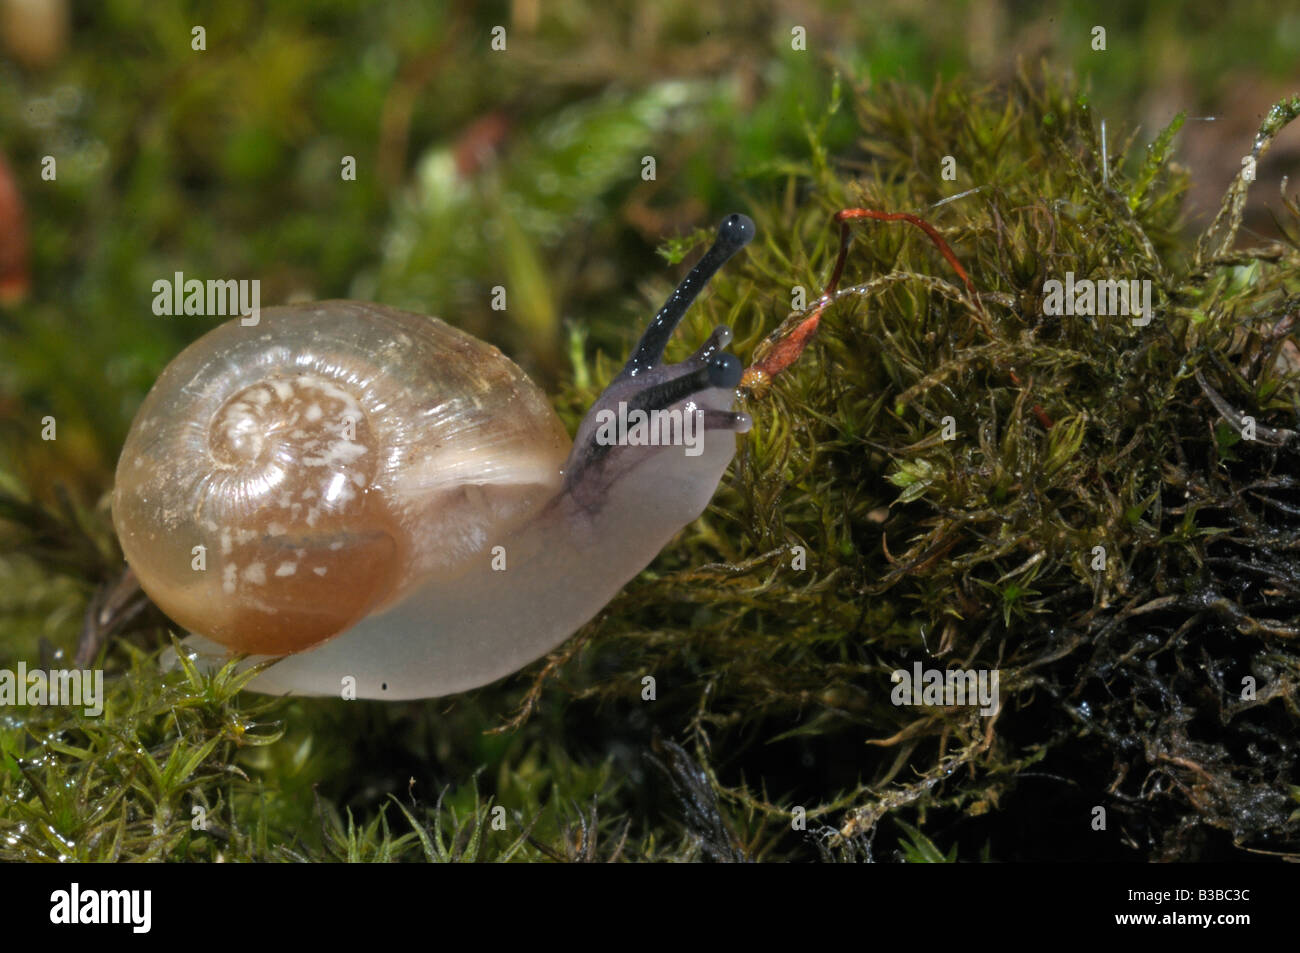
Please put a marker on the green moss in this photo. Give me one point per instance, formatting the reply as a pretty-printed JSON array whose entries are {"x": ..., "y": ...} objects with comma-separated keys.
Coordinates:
[{"x": 1122, "y": 683}]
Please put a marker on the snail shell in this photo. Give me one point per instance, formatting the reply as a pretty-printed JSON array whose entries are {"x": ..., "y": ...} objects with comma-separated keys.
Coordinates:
[{"x": 326, "y": 462}]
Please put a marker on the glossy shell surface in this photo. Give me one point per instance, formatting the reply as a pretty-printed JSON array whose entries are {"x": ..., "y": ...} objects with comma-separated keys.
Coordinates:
[{"x": 284, "y": 480}]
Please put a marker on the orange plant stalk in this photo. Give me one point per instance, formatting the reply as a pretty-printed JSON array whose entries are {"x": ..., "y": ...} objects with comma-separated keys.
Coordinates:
[{"x": 786, "y": 346}]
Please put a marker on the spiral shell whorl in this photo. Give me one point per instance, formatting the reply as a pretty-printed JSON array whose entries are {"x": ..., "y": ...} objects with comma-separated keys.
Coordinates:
[{"x": 265, "y": 431}]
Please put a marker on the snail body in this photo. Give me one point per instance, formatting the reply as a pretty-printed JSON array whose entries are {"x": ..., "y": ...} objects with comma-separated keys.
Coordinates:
[{"x": 383, "y": 502}]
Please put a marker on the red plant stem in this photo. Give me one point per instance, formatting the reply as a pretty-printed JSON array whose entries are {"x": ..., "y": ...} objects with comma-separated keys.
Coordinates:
[
  {"x": 844, "y": 215},
  {"x": 786, "y": 350}
]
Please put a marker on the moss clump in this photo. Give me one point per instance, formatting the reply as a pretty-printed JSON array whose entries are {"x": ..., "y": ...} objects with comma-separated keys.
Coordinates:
[{"x": 1098, "y": 530}]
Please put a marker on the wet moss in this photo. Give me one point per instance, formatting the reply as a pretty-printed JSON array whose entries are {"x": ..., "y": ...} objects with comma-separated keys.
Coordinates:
[{"x": 1093, "y": 526}]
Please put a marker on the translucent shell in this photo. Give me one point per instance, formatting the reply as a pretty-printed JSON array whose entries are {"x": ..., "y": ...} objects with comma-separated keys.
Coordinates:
[{"x": 285, "y": 480}]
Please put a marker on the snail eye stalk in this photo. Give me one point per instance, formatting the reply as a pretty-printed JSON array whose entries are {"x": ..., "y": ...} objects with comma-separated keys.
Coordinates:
[{"x": 734, "y": 234}]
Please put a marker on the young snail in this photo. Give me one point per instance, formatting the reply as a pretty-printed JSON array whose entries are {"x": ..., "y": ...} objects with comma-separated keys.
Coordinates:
[{"x": 381, "y": 496}]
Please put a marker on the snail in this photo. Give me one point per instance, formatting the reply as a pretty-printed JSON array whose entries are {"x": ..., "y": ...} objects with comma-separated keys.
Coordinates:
[{"x": 387, "y": 505}]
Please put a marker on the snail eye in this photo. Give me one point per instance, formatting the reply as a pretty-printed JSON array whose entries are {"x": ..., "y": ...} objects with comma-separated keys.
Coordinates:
[{"x": 724, "y": 371}]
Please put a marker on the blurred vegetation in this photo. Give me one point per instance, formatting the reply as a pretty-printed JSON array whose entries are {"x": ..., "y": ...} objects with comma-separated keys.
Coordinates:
[{"x": 479, "y": 168}]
